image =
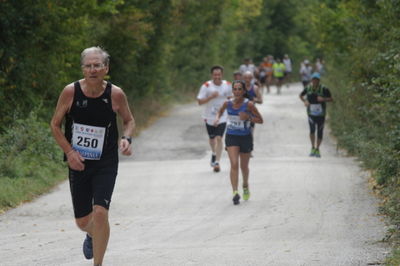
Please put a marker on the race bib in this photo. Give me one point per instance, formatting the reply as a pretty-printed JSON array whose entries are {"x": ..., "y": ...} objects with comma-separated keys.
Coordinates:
[
  {"x": 316, "y": 109},
  {"x": 88, "y": 140},
  {"x": 234, "y": 123}
]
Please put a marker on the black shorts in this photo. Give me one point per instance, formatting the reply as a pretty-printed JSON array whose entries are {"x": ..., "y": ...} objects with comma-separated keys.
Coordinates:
[
  {"x": 245, "y": 143},
  {"x": 216, "y": 131},
  {"x": 92, "y": 186}
]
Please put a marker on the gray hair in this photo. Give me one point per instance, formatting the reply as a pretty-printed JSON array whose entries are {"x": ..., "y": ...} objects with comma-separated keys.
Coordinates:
[
  {"x": 248, "y": 73},
  {"x": 98, "y": 50}
]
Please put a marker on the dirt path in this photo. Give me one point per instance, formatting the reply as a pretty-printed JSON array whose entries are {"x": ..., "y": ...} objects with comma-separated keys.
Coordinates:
[{"x": 169, "y": 208}]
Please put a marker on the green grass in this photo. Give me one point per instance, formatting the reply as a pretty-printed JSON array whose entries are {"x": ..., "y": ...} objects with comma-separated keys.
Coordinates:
[
  {"x": 14, "y": 191},
  {"x": 394, "y": 259}
]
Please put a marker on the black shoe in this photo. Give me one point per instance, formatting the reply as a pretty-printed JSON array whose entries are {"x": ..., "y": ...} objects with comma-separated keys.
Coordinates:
[
  {"x": 236, "y": 198},
  {"x": 213, "y": 158},
  {"x": 88, "y": 247},
  {"x": 216, "y": 167}
]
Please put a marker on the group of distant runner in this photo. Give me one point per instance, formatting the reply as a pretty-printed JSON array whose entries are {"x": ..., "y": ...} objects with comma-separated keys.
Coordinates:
[
  {"x": 90, "y": 139},
  {"x": 232, "y": 107}
]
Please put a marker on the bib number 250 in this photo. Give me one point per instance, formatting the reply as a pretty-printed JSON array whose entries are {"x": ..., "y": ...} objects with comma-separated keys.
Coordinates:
[{"x": 87, "y": 142}]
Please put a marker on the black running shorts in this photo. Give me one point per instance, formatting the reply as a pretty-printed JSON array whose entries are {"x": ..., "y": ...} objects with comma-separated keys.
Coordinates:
[
  {"x": 216, "y": 131},
  {"x": 92, "y": 186},
  {"x": 317, "y": 123},
  {"x": 245, "y": 143}
]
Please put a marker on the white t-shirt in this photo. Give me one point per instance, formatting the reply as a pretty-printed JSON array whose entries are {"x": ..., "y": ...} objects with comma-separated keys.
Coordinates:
[
  {"x": 244, "y": 68},
  {"x": 288, "y": 64},
  {"x": 212, "y": 107},
  {"x": 305, "y": 73}
]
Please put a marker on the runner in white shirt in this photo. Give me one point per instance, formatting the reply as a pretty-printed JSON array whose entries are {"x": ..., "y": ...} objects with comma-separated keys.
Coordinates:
[
  {"x": 288, "y": 68},
  {"x": 213, "y": 94},
  {"x": 247, "y": 66}
]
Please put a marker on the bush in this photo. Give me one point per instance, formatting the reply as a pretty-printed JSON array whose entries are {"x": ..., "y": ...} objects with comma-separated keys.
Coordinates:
[{"x": 30, "y": 161}]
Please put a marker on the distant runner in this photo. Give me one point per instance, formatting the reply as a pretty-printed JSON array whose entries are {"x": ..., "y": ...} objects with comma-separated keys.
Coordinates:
[
  {"x": 288, "y": 68},
  {"x": 247, "y": 66},
  {"x": 90, "y": 145},
  {"x": 319, "y": 67},
  {"x": 266, "y": 67},
  {"x": 237, "y": 75},
  {"x": 279, "y": 74},
  {"x": 213, "y": 93},
  {"x": 317, "y": 96},
  {"x": 305, "y": 72},
  {"x": 238, "y": 139},
  {"x": 253, "y": 91}
]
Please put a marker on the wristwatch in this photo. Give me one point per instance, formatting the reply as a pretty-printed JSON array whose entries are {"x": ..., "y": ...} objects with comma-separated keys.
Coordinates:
[{"x": 129, "y": 139}]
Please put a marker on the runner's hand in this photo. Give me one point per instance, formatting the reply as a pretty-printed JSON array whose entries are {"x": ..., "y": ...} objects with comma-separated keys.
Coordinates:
[
  {"x": 125, "y": 147},
  {"x": 320, "y": 99},
  {"x": 75, "y": 161},
  {"x": 215, "y": 94},
  {"x": 244, "y": 116},
  {"x": 216, "y": 122},
  {"x": 306, "y": 103}
]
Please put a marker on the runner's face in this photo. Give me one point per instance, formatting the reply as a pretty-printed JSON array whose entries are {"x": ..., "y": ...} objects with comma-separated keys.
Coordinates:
[
  {"x": 238, "y": 90},
  {"x": 237, "y": 77},
  {"x": 217, "y": 76},
  {"x": 247, "y": 78},
  {"x": 315, "y": 82},
  {"x": 93, "y": 68}
]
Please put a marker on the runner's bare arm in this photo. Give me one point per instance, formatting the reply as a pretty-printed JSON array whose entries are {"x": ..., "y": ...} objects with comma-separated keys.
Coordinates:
[
  {"x": 256, "y": 116},
  {"x": 301, "y": 96},
  {"x": 121, "y": 106},
  {"x": 64, "y": 102},
  {"x": 220, "y": 112}
]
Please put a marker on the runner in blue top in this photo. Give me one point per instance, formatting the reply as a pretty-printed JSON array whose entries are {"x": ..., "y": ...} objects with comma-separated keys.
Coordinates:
[
  {"x": 238, "y": 139},
  {"x": 253, "y": 91}
]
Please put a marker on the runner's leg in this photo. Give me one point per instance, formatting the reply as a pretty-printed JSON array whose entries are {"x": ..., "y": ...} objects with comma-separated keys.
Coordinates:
[
  {"x": 101, "y": 233},
  {"x": 233, "y": 152},
  {"x": 320, "y": 132},
  {"x": 312, "y": 125},
  {"x": 218, "y": 147},
  {"x": 211, "y": 137},
  {"x": 244, "y": 166},
  {"x": 97, "y": 226}
]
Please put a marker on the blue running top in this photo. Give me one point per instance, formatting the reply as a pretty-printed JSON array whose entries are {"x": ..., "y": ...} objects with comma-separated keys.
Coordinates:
[
  {"x": 251, "y": 93},
  {"x": 234, "y": 125}
]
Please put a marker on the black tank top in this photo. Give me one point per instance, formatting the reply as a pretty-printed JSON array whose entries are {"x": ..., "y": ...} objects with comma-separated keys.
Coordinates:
[{"x": 95, "y": 112}]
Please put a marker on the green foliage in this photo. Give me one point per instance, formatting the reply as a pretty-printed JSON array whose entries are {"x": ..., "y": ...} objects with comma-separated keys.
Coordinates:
[
  {"x": 28, "y": 150},
  {"x": 30, "y": 162},
  {"x": 394, "y": 259},
  {"x": 360, "y": 39}
]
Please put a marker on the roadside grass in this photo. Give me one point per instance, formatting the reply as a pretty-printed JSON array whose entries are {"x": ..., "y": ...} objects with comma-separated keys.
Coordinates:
[
  {"x": 31, "y": 163},
  {"x": 14, "y": 191},
  {"x": 359, "y": 130},
  {"x": 394, "y": 259}
]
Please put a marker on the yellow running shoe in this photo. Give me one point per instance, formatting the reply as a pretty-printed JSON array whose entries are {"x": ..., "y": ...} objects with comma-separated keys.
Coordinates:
[{"x": 246, "y": 193}]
